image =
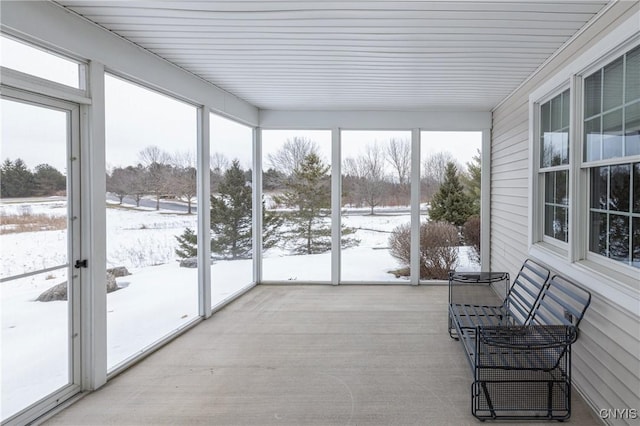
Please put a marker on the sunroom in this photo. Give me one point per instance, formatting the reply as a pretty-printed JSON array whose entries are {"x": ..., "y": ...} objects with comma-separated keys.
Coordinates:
[{"x": 193, "y": 116}]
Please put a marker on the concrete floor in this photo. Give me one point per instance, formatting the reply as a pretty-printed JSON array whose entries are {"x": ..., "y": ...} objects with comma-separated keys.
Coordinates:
[{"x": 303, "y": 355}]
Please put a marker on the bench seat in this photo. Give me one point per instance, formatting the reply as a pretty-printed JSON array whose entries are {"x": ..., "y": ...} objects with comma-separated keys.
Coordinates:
[{"x": 520, "y": 351}]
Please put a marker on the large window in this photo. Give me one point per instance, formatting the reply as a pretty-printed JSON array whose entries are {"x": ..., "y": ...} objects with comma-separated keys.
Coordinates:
[
  {"x": 296, "y": 225},
  {"x": 450, "y": 191},
  {"x": 151, "y": 222},
  {"x": 375, "y": 205},
  {"x": 611, "y": 144},
  {"x": 554, "y": 166},
  {"x": 231, "y": 208}
]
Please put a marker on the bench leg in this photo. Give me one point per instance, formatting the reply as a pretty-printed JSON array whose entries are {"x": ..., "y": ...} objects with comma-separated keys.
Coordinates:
[{"x": 478, "y": 389}]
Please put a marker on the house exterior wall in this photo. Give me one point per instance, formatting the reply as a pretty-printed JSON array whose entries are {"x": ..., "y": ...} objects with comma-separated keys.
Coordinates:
[{"x": 606, "y": 363}]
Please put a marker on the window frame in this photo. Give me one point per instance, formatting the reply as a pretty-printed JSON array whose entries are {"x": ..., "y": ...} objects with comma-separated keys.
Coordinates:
[
  {"x": 34, "y": 83},
  {"x": 556, "y": 244},
  {"x": 575, "y": 254},
  {"x": 602, "y": 263}
]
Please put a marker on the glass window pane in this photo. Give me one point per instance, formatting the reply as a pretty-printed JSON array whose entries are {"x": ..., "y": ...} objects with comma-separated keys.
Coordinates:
[
  {"x": 556, "y": 197},
  {"x": 632, "y": 129},
  {"x": 599, "y": 182},
  {"x": 439, "y": 200},
  {"x": 593, "y": 139},
  {"x": 612, "y": 134},
  {"x": 619, "y": 237},
  {"x": 231, "y": 207},
  {"x": 612, "y": 92},
  {"x": 549, "y": 187},
  {"x": 34, "y": 235},
  {"x": 545, "y": 117},
  {"x": 556, "y": 113},
  {"x": 632, "y": 86},
  {"x": 560, "y": 224},
  {"x": 554, "y": 137},
  {"x": 619, "y": 191},
  {"x": 296, "y": 170},
  {"x": 562, "y": 187},
  {"x": 546, "y": 149},
  {"x": 636, "y": 242},
  {"x": 564, "y": 147},
  {"x": 548, "y": 220},
  {"x": 151, "y": 221},
  {"x": 39, "y": 63},
  {"x": 565, "y": 109},
  {"x": 557, "y": 141},
  {"x": 375, "y": 203},
  {"x": 598, "y": 233},
  {"x": 636, "y": 188},
  {"x": 592, "y": 93}
]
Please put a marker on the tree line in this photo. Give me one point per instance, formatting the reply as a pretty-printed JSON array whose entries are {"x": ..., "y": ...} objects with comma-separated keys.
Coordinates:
[
  {"x": 304, "y": 226},
  {"x": 300, "y": 186},
  {"x": 157, "y": 174},
  {"x": 17, "y": 180}
]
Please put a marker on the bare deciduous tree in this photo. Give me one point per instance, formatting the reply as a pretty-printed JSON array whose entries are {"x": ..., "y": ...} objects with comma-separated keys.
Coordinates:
[
  {"x": 219, "y": 163},
  {"x": 399, "y": 156},
  {"x": 368, "y": 173},
  {"x": 292, "y": 154},
  {"x": 433, "y": 172},
  {"x": 156, "y": 162},
  {"x": 435, "y": 165},
  {"x": 183, "y": 180}
]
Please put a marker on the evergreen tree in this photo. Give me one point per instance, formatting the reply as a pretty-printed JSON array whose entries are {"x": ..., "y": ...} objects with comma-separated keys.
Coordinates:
[
  {"x": 231, "y": 224},
  {"x": 473, "y": 182},
  {"x": 49, "y": 180},
  {"x": 187, "y": 244},
  {"x": 450, "y": 203},
  {"x": 231, "y": 215},
  {"x": 16, "y": 180},
  {"x": 309, "y": 192}
]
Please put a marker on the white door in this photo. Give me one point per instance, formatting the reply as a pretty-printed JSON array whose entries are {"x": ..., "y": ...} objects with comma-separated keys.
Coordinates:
[{"x": 39, "y": 242}]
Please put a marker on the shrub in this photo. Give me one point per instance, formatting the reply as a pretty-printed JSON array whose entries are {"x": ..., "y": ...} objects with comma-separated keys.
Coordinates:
[
  {"x": 438, "y": 248},
  {"x": 471, "y": 233}
]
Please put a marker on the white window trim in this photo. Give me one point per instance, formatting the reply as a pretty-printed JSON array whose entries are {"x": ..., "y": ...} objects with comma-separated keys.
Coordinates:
[{"x": 611, "y": 279}]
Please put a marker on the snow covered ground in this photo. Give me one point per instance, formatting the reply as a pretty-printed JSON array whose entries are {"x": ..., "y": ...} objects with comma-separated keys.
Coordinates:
[{"x": 156, "y": 299}]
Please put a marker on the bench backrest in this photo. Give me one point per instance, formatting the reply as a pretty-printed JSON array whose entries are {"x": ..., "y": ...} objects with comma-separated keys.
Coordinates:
[
  {"x": 525, "y": 292},
  {"x": 562, "y": 303}
]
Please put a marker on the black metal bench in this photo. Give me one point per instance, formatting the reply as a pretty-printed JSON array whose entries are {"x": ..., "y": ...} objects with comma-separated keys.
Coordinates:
[{"x": 520, "y": 351}]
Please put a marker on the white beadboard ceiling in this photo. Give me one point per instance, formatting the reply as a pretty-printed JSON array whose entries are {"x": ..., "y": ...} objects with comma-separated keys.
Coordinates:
[{"x": 351, "y": 55}]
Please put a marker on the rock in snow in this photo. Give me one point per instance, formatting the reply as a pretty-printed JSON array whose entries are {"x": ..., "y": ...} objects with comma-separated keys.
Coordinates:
[
  {"x": 118, "y": 271},
  {"x": 59, "y": 291},
  {"x": 189, "y": 262}
]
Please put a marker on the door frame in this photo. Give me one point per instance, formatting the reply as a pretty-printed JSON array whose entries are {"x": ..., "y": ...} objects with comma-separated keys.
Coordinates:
[{"x": 74, "y": 250}]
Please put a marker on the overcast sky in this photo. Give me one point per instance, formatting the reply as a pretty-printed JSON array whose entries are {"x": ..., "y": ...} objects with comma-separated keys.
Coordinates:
[{"x": 137, "y": 118}]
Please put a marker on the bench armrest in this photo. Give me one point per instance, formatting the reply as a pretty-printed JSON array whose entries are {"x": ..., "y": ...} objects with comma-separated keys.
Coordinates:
[{"x": 527, "y": 337}]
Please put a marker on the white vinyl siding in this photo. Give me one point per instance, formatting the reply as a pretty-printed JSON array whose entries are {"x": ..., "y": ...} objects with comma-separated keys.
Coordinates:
[{"x": 606, "y": 358}]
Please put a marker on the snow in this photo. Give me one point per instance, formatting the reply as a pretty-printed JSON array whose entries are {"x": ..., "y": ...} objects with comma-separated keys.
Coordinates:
[{"x": 157, "y": 298}]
